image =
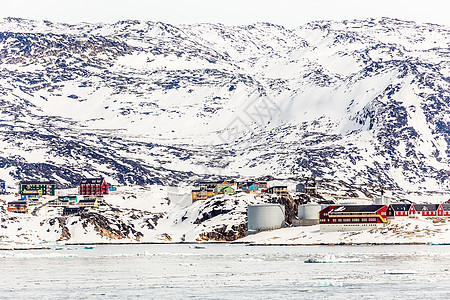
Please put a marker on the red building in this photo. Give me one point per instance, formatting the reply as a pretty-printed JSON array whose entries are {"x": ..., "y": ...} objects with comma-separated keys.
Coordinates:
[
  {"x": 446, "y": 209},
  {"x": 352, "y": 217},
  {"x": 418, "y": 210},
  {"x": 93, "y": 186},
  {"x": 428, "y": 210},
  {"x": 399, "y": 210}
]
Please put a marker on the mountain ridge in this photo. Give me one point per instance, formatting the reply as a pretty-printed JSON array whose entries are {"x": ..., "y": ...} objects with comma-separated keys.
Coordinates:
[{"x": 365, "y": 101}]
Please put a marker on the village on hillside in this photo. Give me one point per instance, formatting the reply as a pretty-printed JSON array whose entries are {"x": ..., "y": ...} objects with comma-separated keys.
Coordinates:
[
  {"x": 302, "y": 205},
  {"x": 30, "y": 194},
  {"x": 331, "y": 216}
]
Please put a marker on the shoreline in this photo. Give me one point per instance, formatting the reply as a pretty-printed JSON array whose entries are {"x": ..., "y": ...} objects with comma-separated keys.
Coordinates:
[{"x": 15, "y": 248}]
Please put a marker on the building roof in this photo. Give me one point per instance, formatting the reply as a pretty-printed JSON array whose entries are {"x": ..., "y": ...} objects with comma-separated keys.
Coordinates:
[
  {"x": 68, "y": 196},
  {"x": 30, "y": 194},
  {"x": 224, "y": 188},
  {"x": 96, "y": 180},
  {"x": 307, "y": 184},
  {"x": 426, "y": 207},
  {"x": 401, "y": 206},
  {"x": 445, "y": 207},
  {"x": 343, "y": 209},
  {"x": 18, "y": 202},
  {"x": 72, "y": 209},
  {"x": 38, "y": 182},
  {"x": 252, "y": 183},
  {"x": 279, "y": 187},
  {"x": 87, "y": 201}
]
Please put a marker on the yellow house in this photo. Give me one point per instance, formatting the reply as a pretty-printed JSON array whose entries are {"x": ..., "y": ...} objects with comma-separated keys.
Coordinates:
[
  {"x": 32, "y": 192},
  {"x": 202, "y": 194},
  {"x": 91, "y": 202}
]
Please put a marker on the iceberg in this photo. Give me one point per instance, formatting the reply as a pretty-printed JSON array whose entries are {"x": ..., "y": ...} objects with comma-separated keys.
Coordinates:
[{"x": 332, "y": 259}]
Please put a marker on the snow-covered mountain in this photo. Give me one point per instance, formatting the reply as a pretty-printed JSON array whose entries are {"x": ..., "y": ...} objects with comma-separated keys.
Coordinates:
[{"x": 364, "y": 101}]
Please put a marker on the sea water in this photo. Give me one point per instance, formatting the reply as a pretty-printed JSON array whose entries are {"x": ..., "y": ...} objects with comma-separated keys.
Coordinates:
[{"x": 223, "y": 271}]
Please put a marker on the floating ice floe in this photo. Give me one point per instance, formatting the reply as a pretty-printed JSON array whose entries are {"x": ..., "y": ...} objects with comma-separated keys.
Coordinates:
[
  {"x": 328, "y": 283},
  {"x": 250, "y": 259},
  {"x": 25, "y": 255},
  {"x": 197, "y": 247},
  {"x": 332, "y": 259},
  {"x": 400, "y": 272}
]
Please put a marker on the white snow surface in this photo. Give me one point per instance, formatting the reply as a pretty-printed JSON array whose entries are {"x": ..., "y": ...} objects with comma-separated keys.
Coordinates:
[{"x": 408, "y": 231}]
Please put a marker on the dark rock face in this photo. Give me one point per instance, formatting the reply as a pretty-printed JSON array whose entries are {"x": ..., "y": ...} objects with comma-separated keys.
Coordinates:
[
  {"x": 224, "y": 234},
  {"x": 108, "y": 227}
]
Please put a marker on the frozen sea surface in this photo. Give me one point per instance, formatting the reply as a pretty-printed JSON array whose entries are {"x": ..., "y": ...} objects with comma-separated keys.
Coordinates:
[{"x": 226, "y": 272}]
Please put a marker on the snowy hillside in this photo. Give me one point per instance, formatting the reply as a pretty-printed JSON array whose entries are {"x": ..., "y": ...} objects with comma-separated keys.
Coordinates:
[
  {"x": 161, "y": 214},
  {"x": 133, "y": 214},
  {"x": 364, "y": 101}
]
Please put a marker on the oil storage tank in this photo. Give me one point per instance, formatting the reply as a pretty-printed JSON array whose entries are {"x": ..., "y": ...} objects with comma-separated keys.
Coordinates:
[
  {"x": 308, "y": 214},
  {"x": 265, "y": 217}
]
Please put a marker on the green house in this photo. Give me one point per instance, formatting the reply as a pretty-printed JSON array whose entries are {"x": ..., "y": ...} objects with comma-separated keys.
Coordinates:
[
  {"x": 224, "y": 188},
  {"x": 45, "y": 187}
]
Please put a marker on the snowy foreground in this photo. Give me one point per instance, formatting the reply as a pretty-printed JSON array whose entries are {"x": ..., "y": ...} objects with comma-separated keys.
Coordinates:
[
  {"x": 408, "y": 231},
  {"x": 161, "y": 214},
  {"x": 226, "y": 272}
]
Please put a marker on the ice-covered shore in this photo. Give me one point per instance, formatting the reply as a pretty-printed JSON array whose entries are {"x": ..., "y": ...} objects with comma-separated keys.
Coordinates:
[{"x": 408, "y": 231}]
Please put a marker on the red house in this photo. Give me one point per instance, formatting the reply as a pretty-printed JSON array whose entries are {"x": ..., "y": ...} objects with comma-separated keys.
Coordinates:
[
  {"x": 352, "y": 217},
  {"x": 399, "y": 210},
  {"x": 428, "y": 210},
  {"x": 93, "y": 186},
  {"x": 446, "y": 209}
]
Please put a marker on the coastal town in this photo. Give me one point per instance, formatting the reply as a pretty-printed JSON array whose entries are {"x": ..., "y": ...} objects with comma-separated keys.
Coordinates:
[{"x": 301, "y": 205}]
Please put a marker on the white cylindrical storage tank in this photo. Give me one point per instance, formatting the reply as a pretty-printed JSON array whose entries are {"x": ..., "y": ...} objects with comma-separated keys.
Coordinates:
[
  {"x": 309, "y": 211},
  {"x": 301, "y": 212},
  {"x": 312, "y": 211},
  {"x": 265, "y": 217}
]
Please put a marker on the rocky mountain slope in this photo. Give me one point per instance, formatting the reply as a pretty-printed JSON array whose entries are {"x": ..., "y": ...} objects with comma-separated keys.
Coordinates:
[{"x": 363, "y": 101}]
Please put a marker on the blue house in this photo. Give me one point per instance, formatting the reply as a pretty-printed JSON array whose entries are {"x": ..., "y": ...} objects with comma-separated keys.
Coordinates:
[
  {"x": 30, "y": 195},
  {"x": 2, "y": 187},
  {"x": 252, "y": 188}
]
